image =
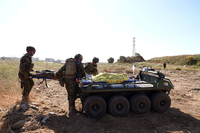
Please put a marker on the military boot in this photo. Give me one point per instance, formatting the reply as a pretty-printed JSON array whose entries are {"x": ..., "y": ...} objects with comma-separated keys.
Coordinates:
[
  {"x": 25, "y": 100},
  {"x": 72, "y": 111},
  {"x": 24, "y": 103}
]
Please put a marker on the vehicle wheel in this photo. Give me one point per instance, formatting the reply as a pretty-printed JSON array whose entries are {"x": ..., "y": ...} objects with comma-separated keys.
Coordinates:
[
  {"x": 118, "y": 105},
  {"x": 161, "y": 102},
  {"x": 94, "y": 106},
  {"x": 140, "y": 104}
]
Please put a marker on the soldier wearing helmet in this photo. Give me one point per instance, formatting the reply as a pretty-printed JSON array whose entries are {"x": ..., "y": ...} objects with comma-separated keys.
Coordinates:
[
  {"x": 68, "y": 73},
  {"x": 91, "y": 68},
  {"x": 26, "y": 65},
  {"x": 78, "y": 57}
]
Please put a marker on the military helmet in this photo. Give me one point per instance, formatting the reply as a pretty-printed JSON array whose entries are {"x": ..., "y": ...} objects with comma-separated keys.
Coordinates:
[
  {"x": 30, "y": 48},
  {"x": 78, "y": 56},
  {"x": 95, "y": 60}
]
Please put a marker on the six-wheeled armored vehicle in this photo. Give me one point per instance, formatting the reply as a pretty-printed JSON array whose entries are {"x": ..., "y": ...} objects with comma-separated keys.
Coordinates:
[{"x": 150, "y": 89}]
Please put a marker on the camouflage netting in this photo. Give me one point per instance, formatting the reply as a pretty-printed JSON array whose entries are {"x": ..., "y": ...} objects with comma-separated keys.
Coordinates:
[{"x": 110, "y": 77}]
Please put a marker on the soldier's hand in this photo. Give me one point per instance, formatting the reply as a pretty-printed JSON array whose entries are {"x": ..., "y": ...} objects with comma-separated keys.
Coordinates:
[
  {"x": 26, "y": 76},
  {"x": 55, "y": 77}
]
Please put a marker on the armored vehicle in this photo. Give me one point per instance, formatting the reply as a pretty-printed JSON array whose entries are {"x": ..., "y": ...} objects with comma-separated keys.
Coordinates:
[{"x": 150, "y": 89}]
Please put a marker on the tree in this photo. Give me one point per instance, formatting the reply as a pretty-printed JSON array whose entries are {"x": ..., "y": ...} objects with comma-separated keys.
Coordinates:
[
  {"x": 190, "y": 60},
  {"x": 110, "y": 60},
  {"x": 122, "y": 59},
  {"x": 132, "y": 59},
  {"x": 137, "y": 54}
]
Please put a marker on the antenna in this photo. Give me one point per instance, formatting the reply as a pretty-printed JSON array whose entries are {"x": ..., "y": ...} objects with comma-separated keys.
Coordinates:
[{"x": 133, "y": 46}]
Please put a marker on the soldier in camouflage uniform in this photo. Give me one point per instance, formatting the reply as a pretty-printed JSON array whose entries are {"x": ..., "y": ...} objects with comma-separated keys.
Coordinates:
[
  {"x": 70, "y": 81},
  {"x": 91, "y": 68},
  {"x": 26, "y": 65}
]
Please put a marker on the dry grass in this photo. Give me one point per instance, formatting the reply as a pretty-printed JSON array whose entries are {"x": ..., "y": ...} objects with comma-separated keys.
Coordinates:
[
  {"x": 178, "y": 60},
  {"x": 10, "y": 91},
  {"x": 115, "y": 68}
]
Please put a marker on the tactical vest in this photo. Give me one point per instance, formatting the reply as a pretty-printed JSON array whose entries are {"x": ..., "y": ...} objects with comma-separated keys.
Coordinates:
[
  {"x": 70, "y": 65},
  {"x": 26, "y": 67}
]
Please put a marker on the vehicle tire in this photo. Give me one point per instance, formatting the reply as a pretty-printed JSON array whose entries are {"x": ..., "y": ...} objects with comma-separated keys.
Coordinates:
[
  {"x": 140, "y": 104},
  {"x": 118, "y": 105},
  {"x": 95, "y": 106},
  {"x": 160, "y": 102}
]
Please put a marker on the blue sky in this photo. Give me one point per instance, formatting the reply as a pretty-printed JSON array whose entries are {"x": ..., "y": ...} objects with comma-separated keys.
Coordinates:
[{"x": 103, "y": 28}]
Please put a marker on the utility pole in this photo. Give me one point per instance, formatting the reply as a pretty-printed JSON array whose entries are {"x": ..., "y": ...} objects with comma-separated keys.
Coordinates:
[{"x": 133, "y": 46}]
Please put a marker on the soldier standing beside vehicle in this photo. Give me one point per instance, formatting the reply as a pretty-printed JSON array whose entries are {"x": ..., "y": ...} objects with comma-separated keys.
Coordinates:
[
  {"x": 91, "y": 68},
  {"x": 72, "y": 70},
  {"x": 26, "y": 65}
]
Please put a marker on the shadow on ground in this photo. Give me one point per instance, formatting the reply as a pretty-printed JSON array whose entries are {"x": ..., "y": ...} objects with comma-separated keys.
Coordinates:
[{"x": 173, "y": 120}]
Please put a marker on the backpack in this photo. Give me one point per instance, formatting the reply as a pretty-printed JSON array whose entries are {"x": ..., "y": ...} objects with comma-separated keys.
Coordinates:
[{"x": 70, "y": 66}]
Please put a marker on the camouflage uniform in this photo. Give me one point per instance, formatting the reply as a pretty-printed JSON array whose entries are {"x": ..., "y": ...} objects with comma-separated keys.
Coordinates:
[
  {"x": 70, "y": 82},
  {"x": 25, "y": 67},
  {"x": 91, "y": 68}
]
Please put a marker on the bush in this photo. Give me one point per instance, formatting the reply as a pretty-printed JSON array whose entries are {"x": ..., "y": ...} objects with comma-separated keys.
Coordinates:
[
  {"x": 122, "y": 59},
  {"x": 179, "y": 69},
  {"x": 110, "y": 60},
  {"x": 198, "y": 63},
  {"x": 190, "y": 60},
  {"x": 131, "y": 59}
]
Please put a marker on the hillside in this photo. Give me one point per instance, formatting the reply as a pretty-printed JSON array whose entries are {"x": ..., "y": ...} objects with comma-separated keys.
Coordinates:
[{"x": 178, "y": 60}]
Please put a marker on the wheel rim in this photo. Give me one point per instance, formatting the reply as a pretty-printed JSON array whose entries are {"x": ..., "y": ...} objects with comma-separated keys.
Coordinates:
[
  {"x": 95, "y": 107},
  {"x": 141, "y": 105},
  {"x": 119, "y": 106},
  {"x": 162, "y": 103}
]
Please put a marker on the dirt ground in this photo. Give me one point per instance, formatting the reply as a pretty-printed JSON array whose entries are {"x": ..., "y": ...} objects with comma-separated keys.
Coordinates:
[{"x": 182, "y": 117}]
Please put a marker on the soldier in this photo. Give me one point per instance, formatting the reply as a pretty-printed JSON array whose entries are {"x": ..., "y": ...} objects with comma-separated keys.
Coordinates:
[
  {"x": 91, "y": 68},
  {"x": 26, "y": 65},
  {"x": 164, "y": 65},
  {"x": 72, "y": 70}
]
